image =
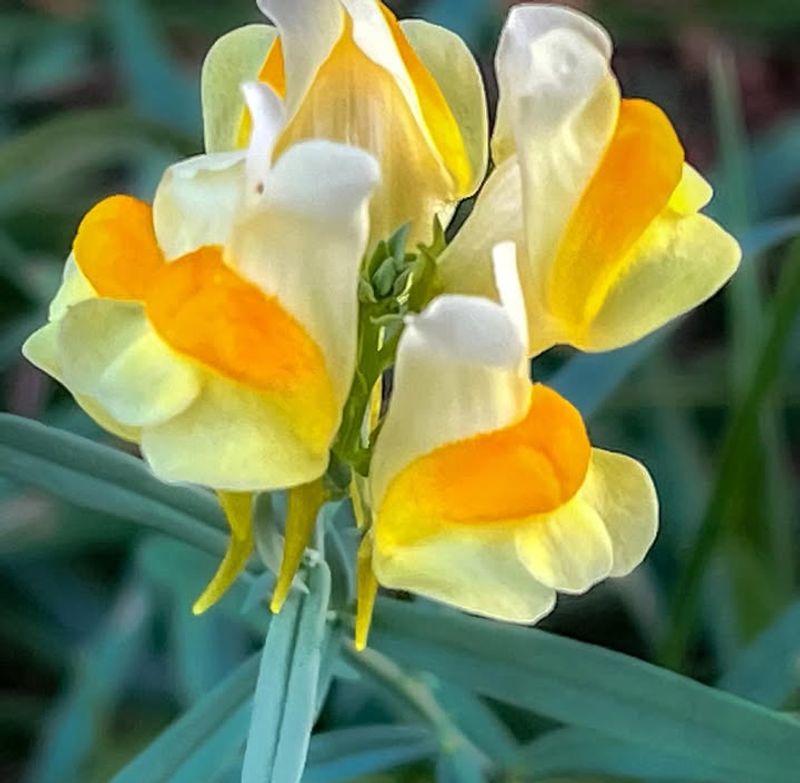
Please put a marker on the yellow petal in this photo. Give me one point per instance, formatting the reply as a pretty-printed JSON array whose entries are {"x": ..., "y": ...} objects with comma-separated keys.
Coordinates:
[
  {"x": 234, "y": 438},
  {"x": 235, "y": 58},
  {"x": 569, "y": 549},
  {"x": 74, "y": 288},
  {"x": 238, "y": 511},
  {"x": 465, "y": 265},
  {"x": 622, "y": 492},
  {"x": 303, "y": 507},
  {"x": 453, "y": 68},
  {"x": 108, "y": 351},
  {"x": 367, "y": 592},
  {"x": 531, "y": 467},
  {"x": 205, "y": 311},
  {"x": 480, "y": 573},
  {"x": 634, "y": 182},
  {"x": 679, "y": 262}
]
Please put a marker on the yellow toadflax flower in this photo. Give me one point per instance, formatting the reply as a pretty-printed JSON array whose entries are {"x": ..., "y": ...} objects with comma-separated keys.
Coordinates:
[
  {"x": 410, "y": 93},
  {"x": 595, "y": 191},
  {"x": 486, "y": 492},
  {"x": 217, "y": 329}
]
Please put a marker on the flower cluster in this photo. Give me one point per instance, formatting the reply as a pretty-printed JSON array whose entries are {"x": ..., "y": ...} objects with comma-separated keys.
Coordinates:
[{"x": 240, "y": 329}]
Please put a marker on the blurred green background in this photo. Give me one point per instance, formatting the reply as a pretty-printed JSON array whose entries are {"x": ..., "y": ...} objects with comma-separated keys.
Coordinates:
[{"x": 98, "y": 649}]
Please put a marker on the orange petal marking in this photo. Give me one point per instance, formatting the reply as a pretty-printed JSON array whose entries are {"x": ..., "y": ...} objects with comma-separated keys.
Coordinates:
[
  {"x": 116, "y": 248},
  {"x": 633, "y": 184},
  {"x": 204, "y": 310},
  {"x": 531, "y": 467}
]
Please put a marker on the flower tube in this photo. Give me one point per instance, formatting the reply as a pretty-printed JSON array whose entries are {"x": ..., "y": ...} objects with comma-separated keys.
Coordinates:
[
  {"x": 217, "y": 329},
  {"x": 594, "y": 189},
  {"x": 486, "y": 492},
  {"x": 410, "y": 93}
]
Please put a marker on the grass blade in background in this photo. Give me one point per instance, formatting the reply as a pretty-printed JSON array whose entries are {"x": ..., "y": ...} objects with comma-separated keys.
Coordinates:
[
  {"x": 72, "y": 729},
  {"x": 174, "y": 748},
  {"x": 735, "y": 456},
  {"x": 347, "y": 754}
]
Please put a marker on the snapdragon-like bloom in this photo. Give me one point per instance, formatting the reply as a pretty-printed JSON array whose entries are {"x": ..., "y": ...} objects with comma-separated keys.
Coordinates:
[
  {"x": 217, "y": 329},
  {"x": 595, "y": 191},
  {"x": 486, "y": 492},
  {"x": 410, "y": 93}
]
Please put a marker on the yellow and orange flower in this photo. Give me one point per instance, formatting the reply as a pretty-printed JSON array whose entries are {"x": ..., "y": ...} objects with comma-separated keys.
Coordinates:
[
  {"x": 486, "y": 492},
  {"x": 594, "y": 189},
  {"x": 410, "y": 93},
  {"x": 217, "y": 329}
]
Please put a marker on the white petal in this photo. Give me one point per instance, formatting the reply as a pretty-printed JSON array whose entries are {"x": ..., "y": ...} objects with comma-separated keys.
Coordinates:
[
  {"x": 266, "y": 111},
  {"x": 196, "y": 202},
  {"x": 304, "y": 243},
  {"x": 457, "y": 375}
]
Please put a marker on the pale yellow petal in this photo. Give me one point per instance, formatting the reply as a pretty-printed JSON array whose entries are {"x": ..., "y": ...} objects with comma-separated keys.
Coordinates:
[
  {"x": 453, "y": 66},
  {"x": 232, "y": 438},
  {"x": 196, "y": 202},
  {"x": 465, "y": 265},
  {"x": 74, "y": 288},
  {"x": 679, "y": 262},
  {"x": 569, "y": 549},
  {"x": 622, "y": 493},
  {"x": 235, "y": 58},
  {"x": 108, "y": 351},
  {"x": 304, "y": 243},
  {"x": 479, "y": 572},
  {"x": 692, "y": 194}
]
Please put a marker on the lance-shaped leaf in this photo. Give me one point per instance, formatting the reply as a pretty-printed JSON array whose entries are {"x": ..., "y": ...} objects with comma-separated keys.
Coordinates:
[{"x": 285, "y": 699}]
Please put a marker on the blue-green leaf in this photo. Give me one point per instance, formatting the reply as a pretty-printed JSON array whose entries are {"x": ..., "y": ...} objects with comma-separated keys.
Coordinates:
[
  {"x": 73, "y": 727},
  {"x": 174, "y": 749},
  {"x": 577, "y": 751},
  {"x": 346, "y": 754},
  {"x": 285, "y": 700},
  {"x": 582, "y": 685},
  {"x": 104, "y": 479},
  {"x": 768, "y": 671}
]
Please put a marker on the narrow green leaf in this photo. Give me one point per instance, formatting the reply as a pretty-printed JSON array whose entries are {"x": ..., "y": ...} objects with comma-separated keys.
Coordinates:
[
  {"x": 285, "y": 699},
  {"x": 478, "y": 722},
  {"x": 591, "y": 687},
  {"x": 347, "y": 754},
  {"x": 575, "y": 751},
  {"x": 169, "y": 754},
  {"x": 104, "y": 479},
  {"x": 768, "y": 671}
]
